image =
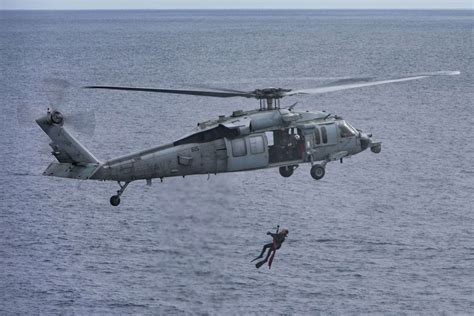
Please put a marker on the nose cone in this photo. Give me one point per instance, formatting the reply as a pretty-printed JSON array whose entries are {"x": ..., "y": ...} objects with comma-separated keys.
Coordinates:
[
  {"x": 367, "y": 142},
  {"x": 376, "y": 148}
]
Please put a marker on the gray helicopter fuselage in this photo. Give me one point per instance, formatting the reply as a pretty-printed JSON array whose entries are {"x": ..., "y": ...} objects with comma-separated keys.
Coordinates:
[
  {"x": 243, "y": 141},
  {"x": 257, "y": 139}
]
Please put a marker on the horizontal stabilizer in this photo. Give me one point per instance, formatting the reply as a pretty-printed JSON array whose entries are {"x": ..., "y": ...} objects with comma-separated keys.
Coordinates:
[{"x": 69, "y": 170}]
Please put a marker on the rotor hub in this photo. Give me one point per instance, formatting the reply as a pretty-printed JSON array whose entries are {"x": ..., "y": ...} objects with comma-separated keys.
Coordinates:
[
  {"x": 270, "y": 93},
  {"x": 269, "y": 97}
]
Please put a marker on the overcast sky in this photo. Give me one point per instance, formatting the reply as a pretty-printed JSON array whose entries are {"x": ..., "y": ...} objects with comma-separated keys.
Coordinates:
[{"x": 233, "y": 4}]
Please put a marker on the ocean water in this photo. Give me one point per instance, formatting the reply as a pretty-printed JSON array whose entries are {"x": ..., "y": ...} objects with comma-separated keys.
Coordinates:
[{"x": 389, "y": 233}]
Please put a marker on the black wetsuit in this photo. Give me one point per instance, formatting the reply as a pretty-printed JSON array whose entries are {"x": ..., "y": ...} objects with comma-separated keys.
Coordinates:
[{"x": 278, "y": 239}]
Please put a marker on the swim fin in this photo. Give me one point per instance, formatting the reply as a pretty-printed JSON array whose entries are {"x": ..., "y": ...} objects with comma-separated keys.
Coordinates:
[{"x": 259, "y": 264}]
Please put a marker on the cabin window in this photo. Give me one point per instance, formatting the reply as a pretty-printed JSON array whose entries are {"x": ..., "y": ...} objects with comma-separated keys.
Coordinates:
[
  {"x": 317, "y": 137},
  {"x": 257, "y": 145},
  {"x": 238, "y": 147},
  {"x": 324, "y": 135}
]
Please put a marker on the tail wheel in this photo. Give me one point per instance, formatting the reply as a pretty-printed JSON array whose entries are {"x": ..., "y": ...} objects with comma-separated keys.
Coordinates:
[
  {"x": 286, "y": 171},
  {"x": 317, "y": 172},
  {"x": 115, "y": 200}
]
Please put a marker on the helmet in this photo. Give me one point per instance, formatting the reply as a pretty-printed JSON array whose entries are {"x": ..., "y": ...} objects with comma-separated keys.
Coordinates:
[{"x": 284, "y": 231}]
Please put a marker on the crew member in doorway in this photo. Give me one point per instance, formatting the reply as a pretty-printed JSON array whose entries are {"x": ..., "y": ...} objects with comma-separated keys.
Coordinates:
[
  {"x": 294, "y": 148},
  {"x": 278, "y": 239}
]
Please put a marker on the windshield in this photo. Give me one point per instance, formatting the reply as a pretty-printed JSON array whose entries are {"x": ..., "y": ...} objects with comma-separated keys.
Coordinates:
[{"x": 346, "y": 130}]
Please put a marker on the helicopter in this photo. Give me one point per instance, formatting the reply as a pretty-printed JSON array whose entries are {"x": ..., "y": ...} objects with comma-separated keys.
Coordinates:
[{"x": 271, "y": 136}]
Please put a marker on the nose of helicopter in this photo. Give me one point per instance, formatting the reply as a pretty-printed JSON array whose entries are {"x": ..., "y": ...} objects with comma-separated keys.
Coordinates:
[{"x": 367, "y": 142}]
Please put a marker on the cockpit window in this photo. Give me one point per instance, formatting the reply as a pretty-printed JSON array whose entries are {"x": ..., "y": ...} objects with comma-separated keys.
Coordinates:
[
  {"x": 324, "y": 135},
  {"x": 346, "y": 130},
  {"x": 317, "y": 138}
]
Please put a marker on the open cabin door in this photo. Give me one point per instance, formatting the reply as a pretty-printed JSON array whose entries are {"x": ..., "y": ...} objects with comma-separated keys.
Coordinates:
[
  {"x": 285, "y": 145},
  {"x": 248, "y": 152}
]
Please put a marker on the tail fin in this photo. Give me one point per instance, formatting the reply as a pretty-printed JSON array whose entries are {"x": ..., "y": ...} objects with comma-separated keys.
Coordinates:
[{"x": 75, "y": 161}]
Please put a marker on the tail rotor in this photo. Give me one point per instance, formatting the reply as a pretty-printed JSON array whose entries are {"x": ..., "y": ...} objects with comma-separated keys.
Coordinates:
[{"x": 54, "y": 90}]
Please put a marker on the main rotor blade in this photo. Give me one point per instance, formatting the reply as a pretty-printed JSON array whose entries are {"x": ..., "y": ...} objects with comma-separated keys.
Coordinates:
[
  {"x": 176, "y": 91},
  {"x": 219, "y": 89},
  {"x": 352, "y": 84}
]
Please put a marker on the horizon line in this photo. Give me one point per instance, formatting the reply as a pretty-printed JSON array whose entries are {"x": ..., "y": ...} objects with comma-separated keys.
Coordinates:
[{"x": 232, "y": 9}]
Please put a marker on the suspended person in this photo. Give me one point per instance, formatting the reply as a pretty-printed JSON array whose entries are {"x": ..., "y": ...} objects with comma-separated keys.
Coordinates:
[{"x": 278, "y": 239}]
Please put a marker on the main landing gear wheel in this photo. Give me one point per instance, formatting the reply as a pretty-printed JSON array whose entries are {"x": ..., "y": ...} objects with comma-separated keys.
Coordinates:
[
  {"x": 115, "y": 200},
  {"x": 317, "y": 172},
  {"x": 286, "y": 171}
]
